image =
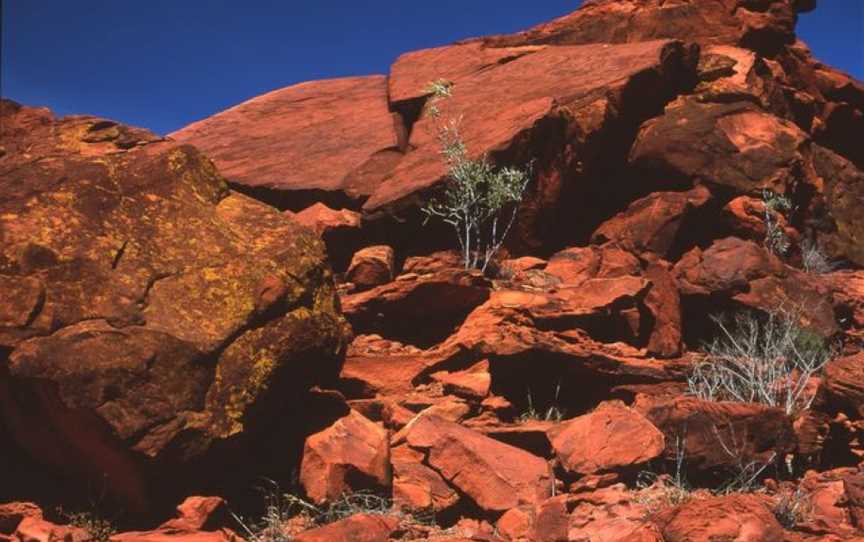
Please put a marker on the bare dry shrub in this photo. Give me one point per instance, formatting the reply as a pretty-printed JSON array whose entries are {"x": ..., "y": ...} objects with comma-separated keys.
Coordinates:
[{"x": 767, "y": 361}]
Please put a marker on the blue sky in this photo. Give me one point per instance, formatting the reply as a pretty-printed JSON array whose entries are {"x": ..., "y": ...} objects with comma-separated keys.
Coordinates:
[{"x": 164, "y": 63}]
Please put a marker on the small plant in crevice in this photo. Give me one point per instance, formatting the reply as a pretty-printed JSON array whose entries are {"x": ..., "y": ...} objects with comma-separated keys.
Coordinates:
[
  {"x": 744, "y": 473},
  {"x": 814, "y": 260},
  {"x": 659, "y": 491},
  {"x": 776, "y": 239},
  {"x": 97, "y": 527},
  {"x": 767, "y": 361},
  {"x": 551, "y": 414},
  {"x": 479, "y": 200},
  {"x": 793, "y": 508}
]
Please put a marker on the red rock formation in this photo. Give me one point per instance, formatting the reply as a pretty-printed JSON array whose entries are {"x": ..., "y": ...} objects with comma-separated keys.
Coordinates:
[
  {"x": 320, "y": 143},
  {"x": 741, "y": 517},
  {"x": 148, "y": 312},
  {"x": 613, "y": 436},
  {"x": 371, "y": 266},
  {"x": 495, "y": 476},
  {"x": 359, "y": 527},
  {"x": 351, "y": 455},
  {"x": 156, "y": 318}
]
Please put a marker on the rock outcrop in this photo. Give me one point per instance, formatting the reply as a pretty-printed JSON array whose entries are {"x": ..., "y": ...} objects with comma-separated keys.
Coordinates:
[
  {"x": 149, "y": 313},
  {"x": 162, "y": 327}
]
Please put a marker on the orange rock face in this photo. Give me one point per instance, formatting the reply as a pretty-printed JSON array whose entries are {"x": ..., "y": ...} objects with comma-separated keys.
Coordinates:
[
  {"x": 171, "y": 326},
  {"x": 741, "y": 517},
  {"x": 321, "y": 143},
  {"x": 371, "y": 266},
  {"x": 610, "y": 437},
  {"x": 351, "y": 455},
  {"x": 494, "y": 475}
]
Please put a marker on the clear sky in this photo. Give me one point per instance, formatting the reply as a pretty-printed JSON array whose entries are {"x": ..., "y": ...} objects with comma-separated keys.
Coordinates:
[{"x": 164, "y": 63}]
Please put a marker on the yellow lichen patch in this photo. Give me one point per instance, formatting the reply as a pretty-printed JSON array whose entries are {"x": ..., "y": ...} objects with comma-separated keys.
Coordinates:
[{"x": 204, "y": 306}]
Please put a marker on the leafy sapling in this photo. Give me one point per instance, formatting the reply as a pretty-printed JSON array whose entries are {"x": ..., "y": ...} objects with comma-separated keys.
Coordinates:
[{"x": 479, "y": 200}]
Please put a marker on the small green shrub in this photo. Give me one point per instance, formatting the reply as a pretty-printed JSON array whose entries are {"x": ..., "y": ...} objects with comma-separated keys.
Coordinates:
[
  {"x": 776, "y": 239},
  {"x": 99, "y": 528},
  {"x": 477, "y": 195}
]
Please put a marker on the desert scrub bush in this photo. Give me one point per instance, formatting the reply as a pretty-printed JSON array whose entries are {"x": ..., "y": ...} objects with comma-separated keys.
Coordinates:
[
  {"x": 479, "y": 200},
  {"x": 767, "y": 361},
  {"x": 776, "y": 239},
  {"x": 814, "y": 260},
  {"x": 98, "y": 528}
]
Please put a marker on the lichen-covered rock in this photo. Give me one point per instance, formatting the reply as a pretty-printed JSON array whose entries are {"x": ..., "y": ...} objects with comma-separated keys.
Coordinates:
[{"x": 148, "y": 312}]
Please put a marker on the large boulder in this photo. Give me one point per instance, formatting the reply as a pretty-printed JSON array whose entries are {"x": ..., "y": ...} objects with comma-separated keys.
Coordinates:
[
  {"x": 730, "y": 145},
  {"x": 351, "y": 455},
  {"x": 656, "y": 224},
  {"x": 361, "y": 527},
  {"x": 611, "y": 437},
  {"x": 742, "y": 274},
  {"x": 148, "y": 312},
  {"x": 542, "y": 103},
  {"x": 842, "y": 387},
  {"x": 712, "y": 436},
  {"x": 494, "y": 475},
  {"x": 327, "y": 138}
]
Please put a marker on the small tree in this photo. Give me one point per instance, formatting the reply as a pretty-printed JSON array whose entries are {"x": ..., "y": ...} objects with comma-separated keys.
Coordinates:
[{"x": 477, "y": 194}]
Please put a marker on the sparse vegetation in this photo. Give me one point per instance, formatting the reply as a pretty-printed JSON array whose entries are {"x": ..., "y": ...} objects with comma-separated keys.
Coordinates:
[
  {"x": 814, "y": 260},
  {"x": 552, "y": 414},
  {"x": 479, "y": 201},
  {"x": 793, "y": 508},
  {"x": 776, "y": 239},
  {"x": 659, "y": 491},
  {"x": 766, "y": 361},
  {"x": 744, "y": 472},
  {"x": 284, "y": 513},
  {"x": 98, "y": 528}
]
